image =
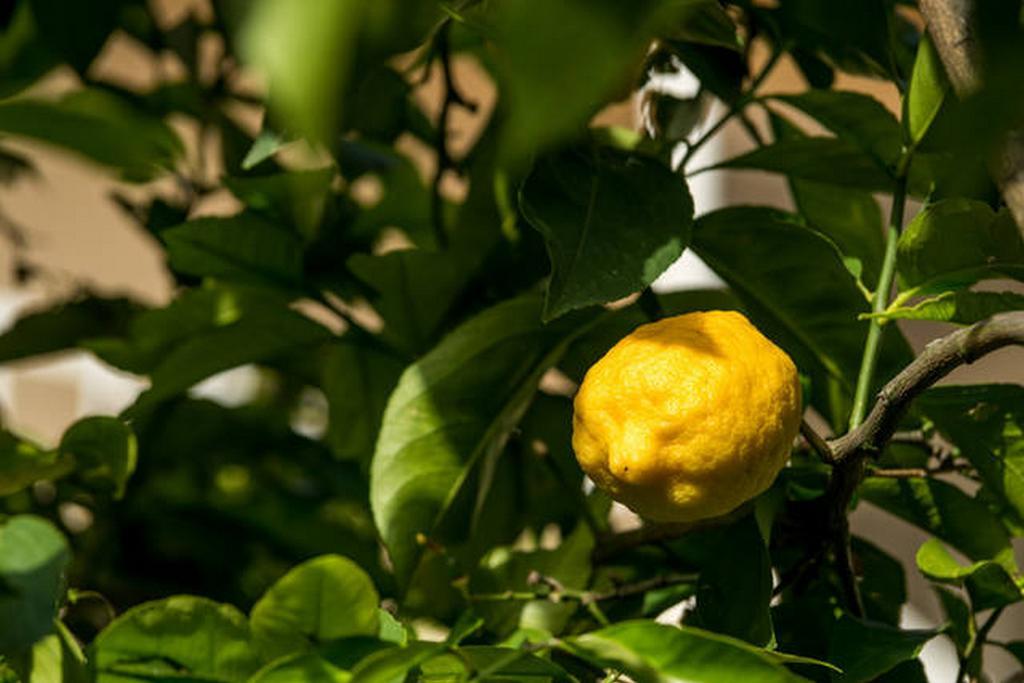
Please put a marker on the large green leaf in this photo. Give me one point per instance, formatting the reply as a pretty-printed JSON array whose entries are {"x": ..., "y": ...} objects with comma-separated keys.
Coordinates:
[
  {"x": 64, "y": 327},
  {"x": 33, "y": 559},
  {"x": 323, "y": 599},
  {"x": 242, "y": 248},
  {"x": 297, "y": 198},
  {"x": 943, "y": 510},
  {"x": 654, "y": 653},
  {"x": 261, "y": 336},
  {"x": 865, "y": 650},
  {"x": 56, "y": 658},
  {"x": 956, "y": 242},
  {"x": 98, "y": 126},
  {"x": 307, "y": 668},
  {"x": 836, "y": 161},
  {"x": 22, "y": 463},
  {"x": 855, "y": 117},
  {"x": 452, "y": 412},
  {"x": 795, "y": 286},
  {"x": 612, "y": 221},
  {"x": 986, "y": 422},
  {"x": 502, "y": 663},
  {"x": 103, "y": 450},
  {"x": 989, "y": 582},
  {"x": 184, "y": 637}
]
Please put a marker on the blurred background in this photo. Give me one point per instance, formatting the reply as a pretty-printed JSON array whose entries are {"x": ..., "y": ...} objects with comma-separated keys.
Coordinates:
[{"x": 62, "y": 223}]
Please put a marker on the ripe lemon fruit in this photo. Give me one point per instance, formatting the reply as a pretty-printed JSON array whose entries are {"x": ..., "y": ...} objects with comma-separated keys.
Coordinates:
[{"x": 688, "y": 417}]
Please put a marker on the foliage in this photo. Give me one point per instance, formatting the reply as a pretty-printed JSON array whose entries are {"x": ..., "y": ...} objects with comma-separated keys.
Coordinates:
[{"x": 405, "y": 468}]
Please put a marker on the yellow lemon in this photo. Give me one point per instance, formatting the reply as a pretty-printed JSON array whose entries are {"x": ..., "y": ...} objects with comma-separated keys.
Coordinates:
[{"x": 688, "y": 417}]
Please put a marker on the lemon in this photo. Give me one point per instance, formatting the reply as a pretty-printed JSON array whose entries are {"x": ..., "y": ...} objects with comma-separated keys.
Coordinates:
[{"x": 688, "y": 417}]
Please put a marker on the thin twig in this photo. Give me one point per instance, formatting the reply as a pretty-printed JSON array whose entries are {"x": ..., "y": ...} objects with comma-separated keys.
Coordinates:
[{"x": 816, "y": 442}]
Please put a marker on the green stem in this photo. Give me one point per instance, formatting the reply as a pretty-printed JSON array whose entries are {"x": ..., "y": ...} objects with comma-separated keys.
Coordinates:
[{"x": 873, "y": 345}]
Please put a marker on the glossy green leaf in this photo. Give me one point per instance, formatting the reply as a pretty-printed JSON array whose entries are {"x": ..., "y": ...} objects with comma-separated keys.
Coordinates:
[
  {"x": 262, "y": 336},
  {"x": 185, "y": 638},
  {"x": 987, "y": 423},
  {"x": 612, "y": 222},
  {"x": 33, "y": 559},
  {"x": 836, "y": 161},
  {"x": 394, "y": 664},
  {"x": 307, "y": 668},
  {"x": 323, "y": 599},
  {"x": 795, "y": 286},
  {"x": 64, "y": 327},
  {"x": 961, "y": 629},
  {"x": 928, "y": 90},
  {"x": 22, "y": 463},
  {"x": 502, "y": 663},
  {"x": 55, "y": 658},
  {"x": 242, "y": 248},
  {"x": 103, "y": 450},
  {"x": 855, "y": 117},
  {"x": 357, "y": 380},
  {"x": 955, "y": 242},
  {"x": 98, "y": 126},
  {"x": 654, "y": 653},
  {"x": 962, "y": 307},
  {"x": 451, "y": 412},
  {"x": 988, "y": 581},
  {"x": 864, "y": 650},
  {"x": 943, "y": 510}
]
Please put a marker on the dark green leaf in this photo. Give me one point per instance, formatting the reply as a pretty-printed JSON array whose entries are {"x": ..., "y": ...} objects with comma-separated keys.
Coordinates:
[
  {"x": 394, "y": 664},
  {"x": 943, "y": 510},
  {"x": 706, "y": 22},
  {"x": 103, "y": 450},
  {"x": 961, "y": 628},
  {"x": 613, "y": 222},
  {"x": 22, "y": 463},
  {"x": 884, "y": 584},
  {"x": 502, "y": 663},
  {"x": 720, "y": 70},
  {"x": 64, "y": 327},
  {"x": 33, "y": 559},
  {"x": 855, "y": 117},
  {"x": 308, "y": 668},
  {"x": 451, "y": 412},
  {"x": 852, "y": 37},
  {"x": 864, "y": 650},
  {"x": 242, "y": 248},
  {"x": 185, "y": 638},
  {"x": 836, "y": 161},
  {"x": 928, "y": 90},
  {"x": 654, "y": 653},
  {"x": 323, "y": 599},
  {"x": 296, "y": 198},
  {"x": 98, "y": 126},
  {"x": 77, "y": 31}
]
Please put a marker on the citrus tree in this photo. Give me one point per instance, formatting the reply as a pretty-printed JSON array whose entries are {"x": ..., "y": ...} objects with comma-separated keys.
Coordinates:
[{"x": 399, "y": 500}]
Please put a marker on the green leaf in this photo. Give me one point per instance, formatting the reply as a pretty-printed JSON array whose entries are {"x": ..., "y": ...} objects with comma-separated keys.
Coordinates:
[
  {"x": 242, "y": 248},
  {"x": 98, "y": 126},
  {"x": 654, "y": 653},
  {"x": 323, "y": 599},
  {"x": 260, "y": 336},
  {"x": 988, "y": 581},
  {"x": 961, "y": 629},
  {"x": 103, "y": 450},
  {"x": 183, "y": 637},
  {"x": 956, "y": 242},
  {"x": 296, "y": 198},
  {"x": 943, "y": 510},
  {"x": 735, "y": 585},
  {"x": 835, "y": 161},
  {"x": 986, "y": 422},
  {"x": 612, "y": 222},
  {"x": 855, "y": 117},
  {"x": 884, "y": 583},
  {"x": 927, "y": 92},
  {"x": 64, "y": 327},
  {"x": 865, "y": 650},
  {"x": 357, "y": 380},
  {"x": 795, "y": 286},
  {"x": 267, "y": 144},
  {"x": 962, "y": 307},
  {"x": 307, "y": 668},
  {"x": 706, "y": 22},
  {"x": 33, "y": 559},
  {"x": 55, "y": 658},
  {"x": 452, "y": 412},
  {"x": 76, "y": 32},
  {"x": 23, "y": 463},
  {"x": 502, "y": 663},
  {"x": 394, "y": 664},
  {"x": 415, "y": 289}
]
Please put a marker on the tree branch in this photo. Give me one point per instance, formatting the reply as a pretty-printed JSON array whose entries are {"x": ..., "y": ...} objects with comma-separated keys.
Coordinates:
[
  {"x": 937, "y": 360},
  {"x": 950, "y": 24}
]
